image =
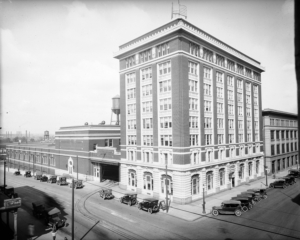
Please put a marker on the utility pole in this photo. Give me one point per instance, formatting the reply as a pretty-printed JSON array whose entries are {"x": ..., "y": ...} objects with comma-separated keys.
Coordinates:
[
  {"x": 266, "y": 173},
  {"x": 72, "y": 208},
  {"x": 77, "y": 167},
  {"x": 4, "y": 174},
  {"x": 167, "y": 185}
]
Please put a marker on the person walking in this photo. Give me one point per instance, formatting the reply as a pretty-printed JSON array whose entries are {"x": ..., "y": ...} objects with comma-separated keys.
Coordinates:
[{"x": 54, "y": 229}]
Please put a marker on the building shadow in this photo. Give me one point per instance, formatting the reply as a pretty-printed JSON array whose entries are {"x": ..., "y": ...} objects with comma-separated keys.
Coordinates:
[{"x": 296, "y": 199}]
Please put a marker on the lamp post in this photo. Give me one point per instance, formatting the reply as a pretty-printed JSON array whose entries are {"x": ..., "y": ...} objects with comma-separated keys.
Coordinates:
[
  {"x": 203, "y": 205},
  {"x": 266, "y": 173},
  {"x": 166, "y": 183},
  {"x": 8, "y": 160}
]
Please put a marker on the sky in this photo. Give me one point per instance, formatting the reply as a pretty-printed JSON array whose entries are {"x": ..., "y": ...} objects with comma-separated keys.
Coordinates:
[{"x": 57, "y": 64}]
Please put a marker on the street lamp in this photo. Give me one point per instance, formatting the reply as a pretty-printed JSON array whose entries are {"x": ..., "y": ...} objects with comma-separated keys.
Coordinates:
[
  {"x": 203, "y": 205},
  {"x": 166, "y": 184},
  {"x": 266, "y": 173}
]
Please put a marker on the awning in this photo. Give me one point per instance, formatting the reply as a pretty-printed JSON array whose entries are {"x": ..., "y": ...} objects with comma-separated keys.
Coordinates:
[{"x": 108, "y": 162}]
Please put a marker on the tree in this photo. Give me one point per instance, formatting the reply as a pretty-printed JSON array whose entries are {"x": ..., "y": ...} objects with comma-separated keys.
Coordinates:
[
  {"x": 31, "y": 140},
  {"x": 16, "y": 139}
]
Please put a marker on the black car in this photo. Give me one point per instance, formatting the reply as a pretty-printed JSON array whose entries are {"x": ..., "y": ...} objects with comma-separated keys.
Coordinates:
[
  {"x": 249, "y": 196},
  {"x": 228, "y": 207},
  {"x": 245, "y": 203},
  {"x": 10, "y": 192},
  {"x": 150, "y": 205},
  {"x": 290, "y": 180},
  {"x": 294, "y": 172},
  {"x": 17, "y": 173},
  {"x": 62, "y": 181},
  {"x": 38, "y": 175},
  {"x": 130, "y": 199},
  {"x": 52, "y": 179},
  {"x": 38, "y": 209},
  {"x": 261, "y": 191},
  {"x": 52, "y": 216},
  {"x": 106, "y": 194},
  {"x": 256, "y": 196},
  {"x": 27, "y": 174},
  {"x": 44, "y": 178},
  {"x": 278, "y": 183}
]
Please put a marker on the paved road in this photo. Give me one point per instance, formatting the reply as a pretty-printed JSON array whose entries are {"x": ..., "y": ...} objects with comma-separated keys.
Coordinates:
[{"x": 277, "y": 217}]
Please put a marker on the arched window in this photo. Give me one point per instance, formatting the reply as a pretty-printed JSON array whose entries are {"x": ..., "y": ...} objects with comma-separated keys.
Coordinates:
[
  {"x": 209, "y": 180},
  {"x": 257, "y": 167},
  {"x": 166, "y": 183},
  {"x": 241, "y": 171},
  {"x": 132, "y": 178},
  {"x": 195, "y": 184},
  {"x": 222, "y": 176},
  {"x": 250, "y": 168},
  {"x": 148, "y": 181}
]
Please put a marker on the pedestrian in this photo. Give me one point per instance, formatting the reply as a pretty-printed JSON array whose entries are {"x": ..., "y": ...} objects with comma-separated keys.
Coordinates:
[{"x": 54, "y": 229}]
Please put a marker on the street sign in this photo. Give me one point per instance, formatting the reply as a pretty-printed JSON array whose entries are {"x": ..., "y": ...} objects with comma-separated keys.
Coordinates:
[{"x": 12, "y": 203}]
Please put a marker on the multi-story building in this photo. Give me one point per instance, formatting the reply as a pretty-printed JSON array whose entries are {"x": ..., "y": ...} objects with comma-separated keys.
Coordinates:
[
  {"x": 192, "y": 104},
  {"x": 280, "y": 139}
]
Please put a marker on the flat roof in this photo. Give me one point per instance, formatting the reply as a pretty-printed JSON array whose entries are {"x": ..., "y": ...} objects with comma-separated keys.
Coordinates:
[{"x": 268, "y": 111}]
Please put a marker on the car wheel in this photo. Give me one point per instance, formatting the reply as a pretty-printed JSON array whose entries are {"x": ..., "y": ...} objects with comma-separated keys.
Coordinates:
[
  {"x": 215, "y": 213},
  {"x": 238, "y": 213},
  {"x": 150, "y": 210},
  {"x": 265, "y": 196},
  {"x": 129, "y": 203},
  {"x": 244, "y": 208},
  {"x": 250, "y": 206}
]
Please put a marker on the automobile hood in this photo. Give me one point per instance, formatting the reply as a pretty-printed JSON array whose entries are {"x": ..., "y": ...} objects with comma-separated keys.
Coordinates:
[{"x": 216, "y": 208}]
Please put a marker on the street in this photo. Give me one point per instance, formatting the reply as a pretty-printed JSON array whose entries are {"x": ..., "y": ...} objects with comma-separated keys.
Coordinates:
[{"x": 277, "y": 217}]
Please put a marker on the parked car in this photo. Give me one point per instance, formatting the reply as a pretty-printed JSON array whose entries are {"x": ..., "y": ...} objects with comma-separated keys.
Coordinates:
[
  {"x": 292, "y": 175},
  {"x": 249, "y": 196},
  {"x": 77, "y": 184},
  {"x": 256, "y": 196},
  {"x": 261, "y": 191},
  {"x": 289, "y": 180},
  {"x": 17, "y": 173},
  {"x": 10, "y": 192},
  {"x": 62, "y": 181},
  {"x": 246, "y": 203},
  {"x": 53, "y": 216},
  {"x": 38, "y": 175},
  {"x": 27, "y": 174},
  {"x": 150, "y": 205},
  {"x": 278, "y": 183},
  {"x": 37, "y": 209},
  {"x": 294, "y": 172},
  {"x": 106, "y": 194},
  {"x": 52, "y": 179},
  {"x": 228, "y": 207},
  {"x": 130, "y": 199},
  {"x": 44, "y": 178}
]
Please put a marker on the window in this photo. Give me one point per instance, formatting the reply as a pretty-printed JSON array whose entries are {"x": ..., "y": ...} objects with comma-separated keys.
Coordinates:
[
  {"x": 108, "y": 143},
  {"x": 166, "y": 140},
  {"x": 132, "y": 181},
  {"x": 248, "y": 112},
  {"x": 162, "y": 49},
  {"x": 241, "y": 171},
  {"x": 287, "y": 134},
  {"x": 240, "y": 124},
  {"x": 131, "y": 93},
  {"x": 248, "y": 99},
  {"x": 193, "y": 68},
  {"x": 145, "y": 56},
  {"x": 207, "y": 122},
  {"x": 164, "y": 68},
  {"x": 207, "y": 106},
  {"x": 193, "y": 104},
  {"x": 146, "y": 73},
  {"x": 131, "y": 139},
  {"x": 255, "y": 89},
  {"x": 219, "y": 77},
  {"x": 166, "y": 122},
  {"x": 207, "y": 73},
  {"x": 207, "y": 55},
  {"x": 230, "y": 94},
  {"x": 219, "y": 107},
  {"x": 193, "y": 122},
  {"x": 255, "y": 112},
  {"x": 221, "y": 153},
  {"x": 255, "y": 101},
  {"x": 220, "y": 122},
  {"x": 239, "y": 97},
  {"x": 282, "y": 123},
  {"x": 230, "y": 109},
  {"x": 240, "y": 69},
  {"x": 220, "y": 138},
  {"x": 231, "y": 138},
  {"x": 207, "y": 89},
  {"x": 277, "y": 135},
  {"x": 219, "y": 92},
  {"x": 272, "y": 150},
  {"x": 292, "y": 147},
  {"x": 165, "y": 104},
  {"x": 194, "y": 49},
  {"x": 167, "y": 185},
  {"x": 193, "y": 85},
  {"x": 272, "y": 135},
  {"x": 195, "y": 185},
  {"x": 287, "y": 147},
  {"x": 220, "y": 60},
  {"x": 130, "y": 61},
  {"x": 241, "y": 137},
  {"x": 248, "y": 124},
  {"x": 210, "y": 180},
  {"x": 147, "y": 106},
  {"x": 248, "y": 86},
  {"x": 130, "y": 78},
  {"x": 230, "y": 81},
  {"x": 248, "y": 73},
  {"x": 239, "y": 84},
  {"x": 208, "y": 139},
  {"x": 230, "y": 123},
  {"x": 148, "y": 179},
  {"x": 282, "y": 134},
  {"x": 147, "y": 90},
  {"x": 131, "y": 108},
  {"x": 278, "y": 148},
  {"x": 283, "y": 148},
  {"x": 249, "y": 137},
  {"x": 230, "y": 65},
  {"x": 165, "y": 86},
  {"x": 209, "y": 154},
  {"x": 45, "y": 159},
  {"x": 255, "y": 76},
  {"x": 193, "y": 140},
  {"x": 148, "y": 140},
  {"x": 240, "y": 110},
  {"x": 147, "y": 123},
  {"x": 131, "y": 124}
]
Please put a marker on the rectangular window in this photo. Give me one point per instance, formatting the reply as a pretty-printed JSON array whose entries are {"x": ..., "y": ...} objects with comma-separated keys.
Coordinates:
[
  {"x": 241, "y": 137},
  {"x": 131, "y": 108},
  {"x": 230, "y": 65},
  {"x": 278, "y": 148},
  {"x": 219, "y": 107},
  {"x": 248, "y": 112},
  {"x": 282, "y": 148},
  {"x": 239, "y": 97},
  {"x": 147, "y": 90},
  {"x": 207, "y": 89},
  {"x": 164, "y": 68},
  {"x": 282, "y": 134},
  {"x": 220, "y": 60},
  {"x": 165, "y": 86},
  {"x": 131, "y": 139},
  {"x": 162, "y": 49},
  {"x": 231, "y": 138},
  {"x": 207, "y": 55},
  {"x": 220, "y": 138},
  {"x": 239, "y": 84},
  {"x": 255, "y": 76},
  {"x": 108, "y": 143},
  {"x": 147, "y": 123},
  {"x": 220, "y": 123},
  {"x": 193, "y": 104},
  {"x": 256, "y": 137},
  {"x": 230, "y": 123},
  {"x": 145, "y": 56},
  {"x": 249, "y": 137},
  {"x": 148, "y": 140},
  {"x": 207, "y": 122},
  {"x": 130, "y": 78},
  {"x": 240, "y": 110},
  {"x": 131, "y": 124},
  {"x": 194, "y": 49},
  {"x": 207, "y": 73},
  {"x": 193, "y": 68},
  {"x": 219, "y": 77},
  {"x": 146, "y": 73},
  {"x": 256, "y": 125},
  {"x": 240, "y": 69},
  {"x": 248, "y": 73},
  {"x": 130, "y": 61},
  {"x": 166, "y": 140},
  {"x": 272, "y": 122},
  {"x": 230, "y": 94},
  {"x": 230, "y": 81},
  {"x": 248, "y": 124},
  {"x": 248, "y": 99},
  {"x": 255, "y": 101},
  {"x": 219, "y": 92},
  {"x": 207, "y": 106},
  {"x": 193, "y": 85},
  {"x": 287, "y": 147},
  {"x": 208, "y": 139},
  {"x": 193, "y": 122},
  {"x": 166, "y": 122},
  {"x": 165, "y": 104},
  {"x": 131, "y": 93},
  {"x": 240, "y": 124},
  {"x": 193, "y": 140},
  {"x": 147, "y": 107},
  {"x": 230, "y": 109}
]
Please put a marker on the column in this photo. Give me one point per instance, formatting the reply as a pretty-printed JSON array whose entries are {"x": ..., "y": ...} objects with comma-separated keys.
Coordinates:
[
  {"x": 246, "y": 171},
  {"x": 182, "y": 187},
  {"x": 216, "y": 179},
  {"x": 203, "y": 181},
  {"x": 123, "y": 177},
  {"x": 156, "y": 183},
  {"x": 236, "y": 174},
  {"x": 15, "y": 225},
  {"x": 140, "y": 180}
]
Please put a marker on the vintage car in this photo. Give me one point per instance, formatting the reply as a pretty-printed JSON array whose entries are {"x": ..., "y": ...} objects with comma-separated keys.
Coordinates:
[
  {"x": 38, "y": 175},
  {"x": 246, "y": 203},
  {"x": 290, "y": 180},
  {"x": 278, "y": 183},
  {"x": 249, "y": 196},
  {"x": 150, "y": 205},
  {"x": 52, "y": 179},
  {"x": 37, "y": 209},
  {"x": 261, "y": 191},
  {"x": 27, "y": 174},
  {"x": 294, "y": 172},
  {"x": 44, "y": 178},
  {"x": 77, "y": 184},
  {"x": 228, "y": 207},
  {"x": 10, "y": 192},
  {"x": 106, "y": 194},
  {"x": 62, "y": 181},
  {"x": 17, "y": 173},
  {"x": 130, "y": 199},
  {"x": 53, "y": 216},
  {"x": 293, "y": 176},
  {"x": 256, "y": 196}
]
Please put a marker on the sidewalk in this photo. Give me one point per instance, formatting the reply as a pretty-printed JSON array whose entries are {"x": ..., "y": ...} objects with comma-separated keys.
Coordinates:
[{"x": 193, "y": 211}]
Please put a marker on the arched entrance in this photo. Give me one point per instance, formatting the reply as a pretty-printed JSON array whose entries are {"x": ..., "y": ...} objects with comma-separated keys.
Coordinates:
[{"x": 70, "y": 166}]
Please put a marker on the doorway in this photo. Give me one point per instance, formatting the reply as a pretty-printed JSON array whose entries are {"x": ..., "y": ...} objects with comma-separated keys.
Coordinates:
[{"x": 233, "y": 182}]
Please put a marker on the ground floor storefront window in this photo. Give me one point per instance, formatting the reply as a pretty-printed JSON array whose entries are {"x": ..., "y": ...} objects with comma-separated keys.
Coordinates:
[{"x": 195, "y": 184}]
